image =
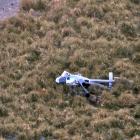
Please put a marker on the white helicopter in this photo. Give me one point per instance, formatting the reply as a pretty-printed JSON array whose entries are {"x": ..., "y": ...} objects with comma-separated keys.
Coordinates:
[{"x": 77, "y": 80}]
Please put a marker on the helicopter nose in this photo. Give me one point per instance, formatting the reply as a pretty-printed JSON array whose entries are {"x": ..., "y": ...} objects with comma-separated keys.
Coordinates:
[
  {"x": 60, "y": 80},
  {"x": 57, "y": 80}
]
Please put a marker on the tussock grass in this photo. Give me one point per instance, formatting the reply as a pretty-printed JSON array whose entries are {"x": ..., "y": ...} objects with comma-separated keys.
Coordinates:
[
  {"x": 26, "y": 4},
  {"x": 35, "y": 4},
  {"x": 90, "y": 37}
]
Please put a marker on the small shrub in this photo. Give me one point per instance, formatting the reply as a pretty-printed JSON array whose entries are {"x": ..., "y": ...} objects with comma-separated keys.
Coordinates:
[
  {"x": 107, "y": 123},
  {"x": 39, "y": 5},
  {"x": 121, "y": 86},
  {"x": 4, "y": 81},
  {"x": 22, "y": 136},
  {"x": 34, "y": 56},
  {"x": 122, "y": 65},
  {"x": 42, "y": 83},
  {"x": 136, "y": 88},
  {"x": 16, "y": 75},
  {"x": 28, "y": 85},
  {"x": 76, "y": 11},
  {"x": 116, "y": 123},
  {"x": 109, "y": 101},
  {"x": 135, "y": 1},
  {"x": 123, "y": 52},
  {"x": 136, "y": 58},
  {"x": 26, "y": 4},
  {"x": 128, "y": 30},
  {"x": 56, "y": 14},
  {"x": 16, "y": 22},
  {"x": 67, "y": 31},
  {"x": 48, "y": 134},
  {"x": 34, "y": 97},
  {"x": 137, "y": 46},
  {"x": 114, "y": 134},
  {"x": 83, "y": 21},
  {"x": 126, "y": 100},
  {"x": 71, "y": 42},
  {"x": 137, "y": 112},
  {"x": 35, "y": 4},
  {"x": 3, "y": 111},
  {"x": 88, "y": 33},
  {"x": 116, "y": 91},
  {"x": 133, "y": 132},
  {"x": 94, "y": 11},
  {"x": 5, "y": 98}
]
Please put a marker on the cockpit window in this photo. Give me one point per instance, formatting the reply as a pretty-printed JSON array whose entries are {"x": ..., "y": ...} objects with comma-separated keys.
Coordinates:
[
  {"x": 62, "y": 80},
  {"x": 68, "y": 78}
]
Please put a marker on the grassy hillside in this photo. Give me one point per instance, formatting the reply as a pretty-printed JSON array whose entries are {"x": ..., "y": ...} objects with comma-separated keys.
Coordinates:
[{"x": 92, "y": 37}]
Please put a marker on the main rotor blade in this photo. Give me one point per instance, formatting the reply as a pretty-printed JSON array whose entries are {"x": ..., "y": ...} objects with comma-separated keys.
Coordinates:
[{"x": 84, "y": 89}]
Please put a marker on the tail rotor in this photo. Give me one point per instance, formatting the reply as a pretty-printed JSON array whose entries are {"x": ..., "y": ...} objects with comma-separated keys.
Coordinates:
[{"x": 111, "y": 79}]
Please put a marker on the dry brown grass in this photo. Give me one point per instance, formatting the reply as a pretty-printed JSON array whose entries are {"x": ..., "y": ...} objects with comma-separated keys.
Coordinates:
[
  {"x": 32, "y": 4},
  {"x": 27, "y": 4},
  {"x": 91, "y": 37}
]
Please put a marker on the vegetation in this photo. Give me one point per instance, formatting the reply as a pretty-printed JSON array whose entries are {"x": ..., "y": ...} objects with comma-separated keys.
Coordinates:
[{"x": 92, "y": 37}]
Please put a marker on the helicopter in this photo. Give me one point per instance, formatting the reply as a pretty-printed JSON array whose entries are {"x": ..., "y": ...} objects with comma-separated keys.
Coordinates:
[{"x": 77, "y": 80}]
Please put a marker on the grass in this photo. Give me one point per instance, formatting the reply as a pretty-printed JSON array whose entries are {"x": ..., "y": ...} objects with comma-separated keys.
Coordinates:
[
  {"x": 90, "y": 37},
  {"x": 29, "y": 4}
]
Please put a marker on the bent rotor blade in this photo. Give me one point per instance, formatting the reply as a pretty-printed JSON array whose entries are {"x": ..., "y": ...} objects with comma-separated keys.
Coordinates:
[{"x": 86, "y": 92}]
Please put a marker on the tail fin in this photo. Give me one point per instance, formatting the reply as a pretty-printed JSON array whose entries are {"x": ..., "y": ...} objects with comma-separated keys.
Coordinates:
[{"x": 111, "y": 79}]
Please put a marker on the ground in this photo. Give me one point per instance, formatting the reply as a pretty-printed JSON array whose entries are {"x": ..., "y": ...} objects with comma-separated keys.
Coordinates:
[{"x": 91, "y": 37}]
